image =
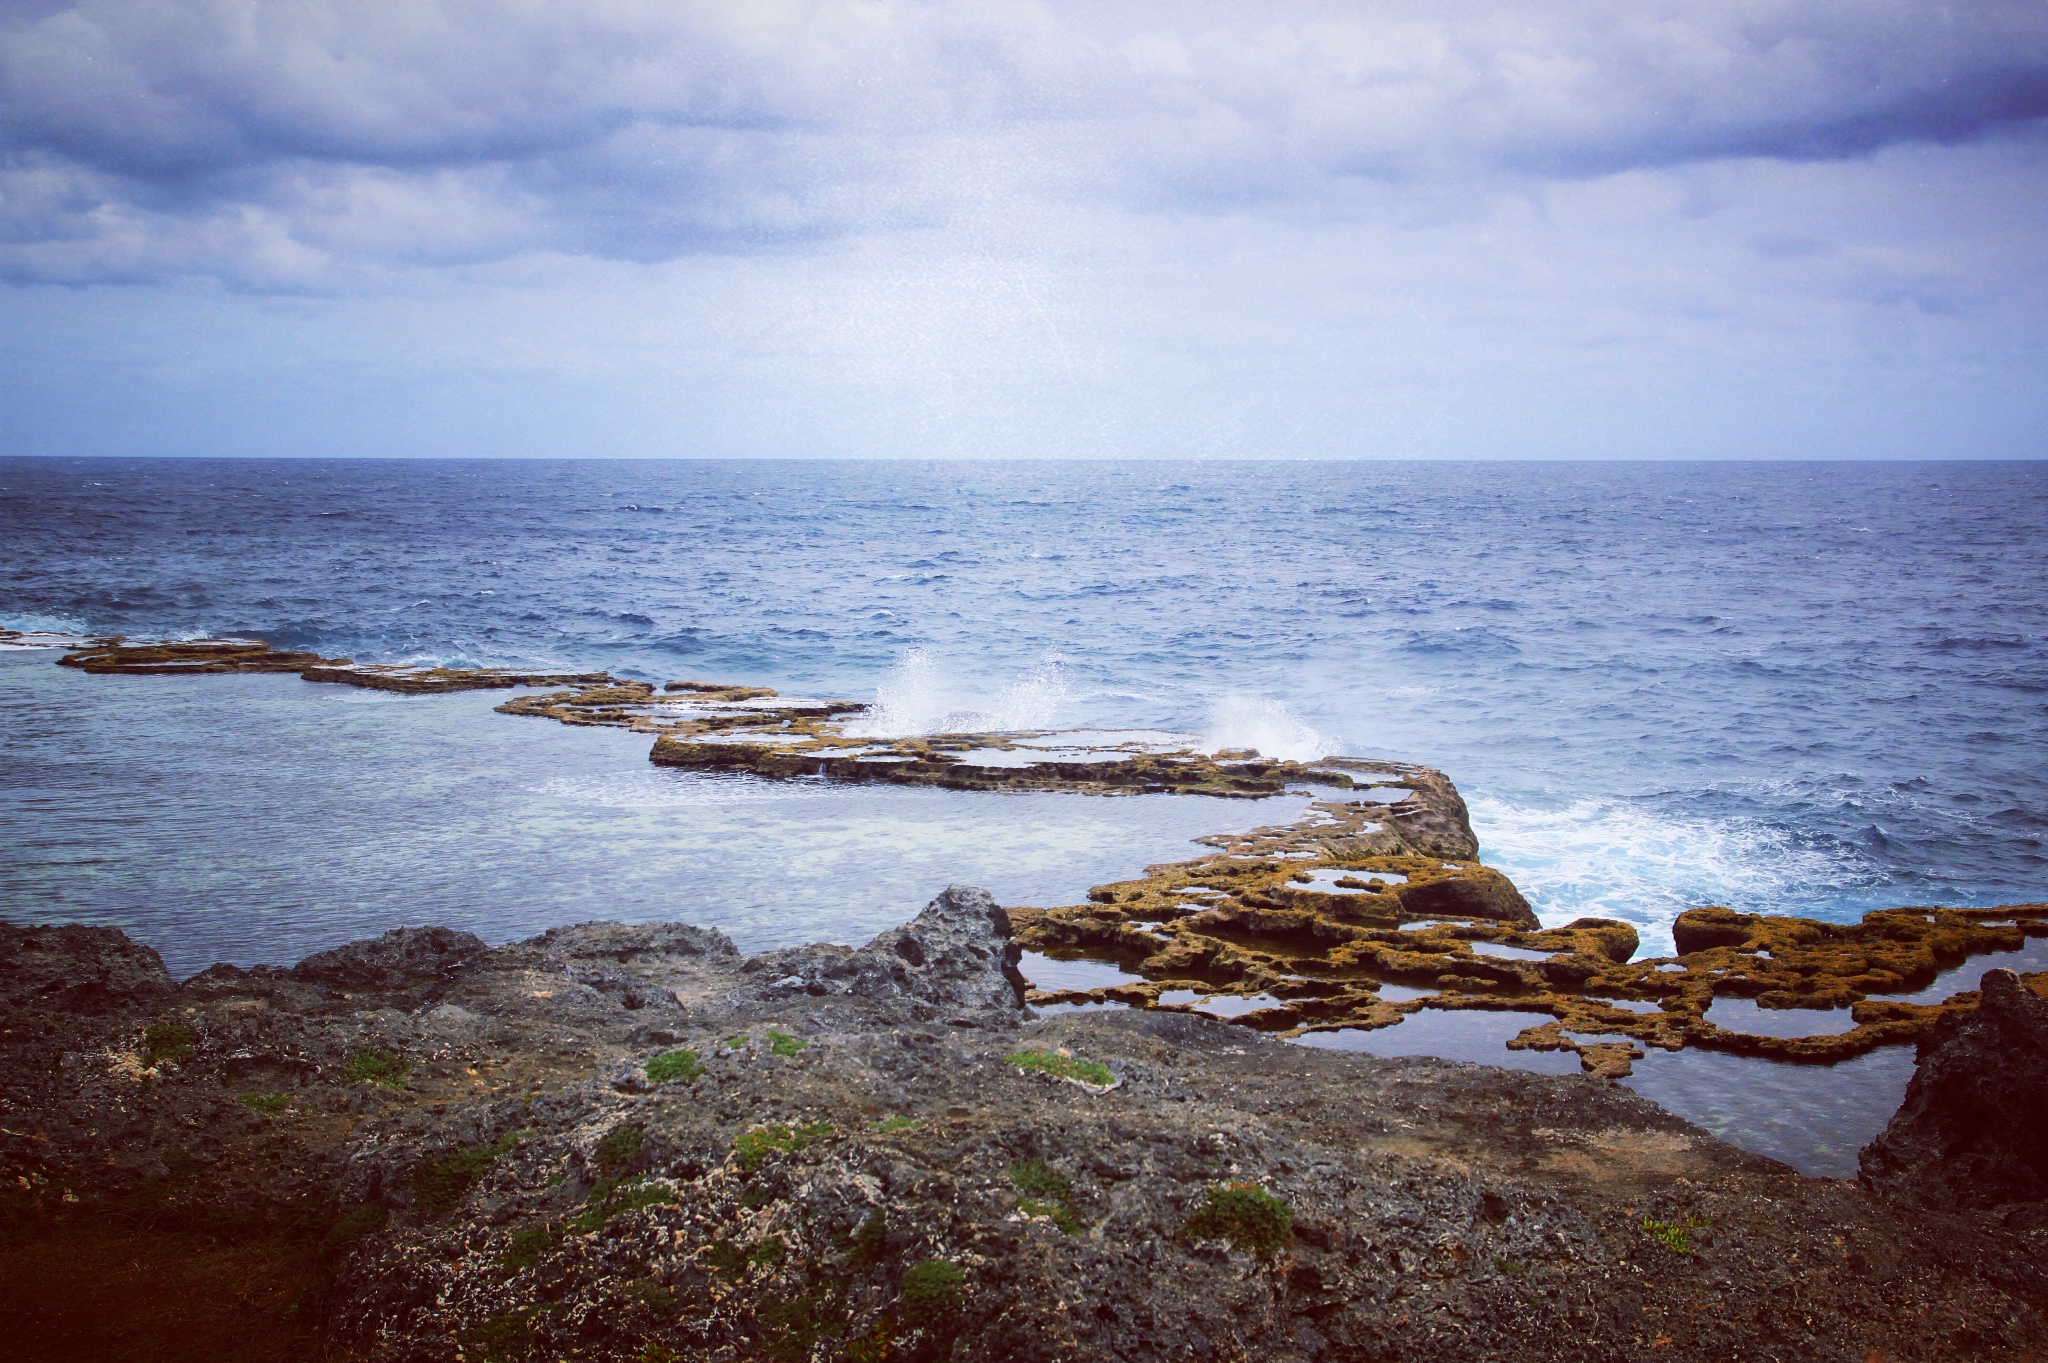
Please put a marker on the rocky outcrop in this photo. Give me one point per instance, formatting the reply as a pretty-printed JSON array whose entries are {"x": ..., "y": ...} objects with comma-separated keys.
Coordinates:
[
  {"x": 79, "y": 968},
  {"x": 955, "y": 955},
  {"x": 400, "y": 959},
  {"x": 1973, "y": 1130}
]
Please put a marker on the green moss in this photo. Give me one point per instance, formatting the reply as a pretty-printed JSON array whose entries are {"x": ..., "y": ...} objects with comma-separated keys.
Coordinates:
[
  {"x": 756, "y": 1145},
  {"x": 529, "y": 1243},
  {"x": 619, "y": 1148},
  {"x": 736, "y": 1042},
  {"x": 1045, "y": 1191},
  {"x": 1062, "y": 1067},
  {"x": 795, "y": 1323},
  {"x": 653, "y": 1294},
  {"x": 504, "y": 1338},
  {"x": 1246, "y": 1215},
  {"x": 270, "y": 1104},
  {"x": 376, "y": 1067},
  {"x": 658, "y": 1353},
  {"x": 163, "y": 1041},
  {"x": 613, "y": 1198},
  {"x": 353, "y": 1225},
  {"x": 782, "y": 1043},
  {"x": 864, "y": 1247},
  {"x": 1675, "y": 1236},
  {"x": 438, "y": 1185},
  {"x": 930, "y": 1297},
  {"x": 674, "y": 1065},
  {"x": 899, "y": 1124}
]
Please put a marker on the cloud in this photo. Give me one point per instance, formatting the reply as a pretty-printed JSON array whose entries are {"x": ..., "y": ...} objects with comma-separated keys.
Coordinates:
[{"x": 299, "y": 145}]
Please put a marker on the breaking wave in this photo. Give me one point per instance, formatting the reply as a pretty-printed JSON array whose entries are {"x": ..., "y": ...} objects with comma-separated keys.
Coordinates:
[
  {"x": 920, "y": 696},
  {"x": 1620, "y": 859},
  {"x": 1240, "y": 721}
]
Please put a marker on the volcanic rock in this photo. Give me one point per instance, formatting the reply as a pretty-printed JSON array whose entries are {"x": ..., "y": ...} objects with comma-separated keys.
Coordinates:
[
  {"x": 1973, "y": 1130},
  {"x": 78, "y": 968}
]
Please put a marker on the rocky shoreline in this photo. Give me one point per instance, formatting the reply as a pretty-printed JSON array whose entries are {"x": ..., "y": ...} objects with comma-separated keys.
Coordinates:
[
  {"x": 634, "y": 1143},
  {"x": 1293, "y": 928}
]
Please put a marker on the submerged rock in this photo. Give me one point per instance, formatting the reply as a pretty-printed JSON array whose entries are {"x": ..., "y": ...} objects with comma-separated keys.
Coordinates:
[{"x": 1973, "y": 1130}]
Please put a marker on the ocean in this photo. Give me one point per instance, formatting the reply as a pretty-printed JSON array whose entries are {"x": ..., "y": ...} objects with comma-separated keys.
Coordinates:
[{"x": 1806, "y": 688}]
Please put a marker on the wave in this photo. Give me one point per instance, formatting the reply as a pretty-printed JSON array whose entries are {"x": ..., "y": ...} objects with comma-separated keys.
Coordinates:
[
  {"x": 1620, "y": 859},
  {"x": 34, "y": 622},
  {"x": 1242, "y": 721},
  {"x": 921, "y": 696}
]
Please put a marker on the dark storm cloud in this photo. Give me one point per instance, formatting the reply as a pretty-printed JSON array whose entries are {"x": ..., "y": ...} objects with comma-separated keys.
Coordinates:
[{"x": 275, "y": 143}]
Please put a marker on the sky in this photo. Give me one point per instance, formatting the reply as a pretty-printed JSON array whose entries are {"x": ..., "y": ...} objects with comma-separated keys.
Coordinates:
[{"x": 1637, "y": 229}]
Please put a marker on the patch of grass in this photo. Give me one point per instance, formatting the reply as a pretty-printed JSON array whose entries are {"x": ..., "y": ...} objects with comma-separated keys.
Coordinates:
[
  {"x": 1062, "y": 1067},
  {"x": 1045, "y": 1191},
  {"x": 658, "y": 1353},
  {"x": 930, "y": 1296},
  {"x": 1246, "y": 1215},
  {"x": 529, "y": 1243},
  {"x": 756, "y": 1145},
  {"x": 796, "y": 1323},
  {"x": 163, "y": 1041},
  {"x": 873, "y": 1347},
  {"x": 614, "y": 1198},
  {"x": 782, "y": 1043},
  {"x": 733, "y": 1260},
  {"x": 899, "y": 1123},
  {"x": 269, "y": 1104},
  {"x": 653, "y": 1294},
  {"x": 736, "y": 1042},
  {"x": 504, "y": 1338},
  {"x": 864, "y": 1247},
  {"x": 619, "y": 1148},
  {"x": 376, "y": 1067},
  {"x": 439, "y": 1185},
  {"x": 1675, "y": 1236},
  {"x": 353, "y": 1225},
  {"x": 674, "y": 1065}
]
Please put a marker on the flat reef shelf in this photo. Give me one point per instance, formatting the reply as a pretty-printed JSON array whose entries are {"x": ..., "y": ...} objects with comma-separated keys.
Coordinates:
[{"x": 1371, "y": 906}]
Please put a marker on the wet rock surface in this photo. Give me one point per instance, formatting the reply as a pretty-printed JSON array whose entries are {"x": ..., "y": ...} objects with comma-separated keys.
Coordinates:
[
  {"x": 1973, "y": 1130},
  {"x": 632, "y": 1142}
]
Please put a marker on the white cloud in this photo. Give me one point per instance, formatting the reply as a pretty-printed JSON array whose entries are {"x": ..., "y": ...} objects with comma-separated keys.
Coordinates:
[{"x": 177, "y": 136}]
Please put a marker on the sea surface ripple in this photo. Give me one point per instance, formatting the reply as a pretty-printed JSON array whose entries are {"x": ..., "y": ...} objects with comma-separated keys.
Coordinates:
[{"x": 1797, "y": 687}]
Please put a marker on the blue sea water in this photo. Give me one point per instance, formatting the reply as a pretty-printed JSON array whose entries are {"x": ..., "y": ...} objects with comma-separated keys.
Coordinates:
[{"x": 1804, "y": 688}]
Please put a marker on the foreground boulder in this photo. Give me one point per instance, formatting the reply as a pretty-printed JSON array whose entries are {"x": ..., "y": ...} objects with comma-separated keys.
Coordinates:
[{"x": 1973, "y": 1130}]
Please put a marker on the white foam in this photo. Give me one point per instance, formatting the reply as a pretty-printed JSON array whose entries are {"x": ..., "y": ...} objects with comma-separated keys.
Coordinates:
[
  {"x": 1613, "y": 859},
  {"x": 1241, "y": 721},
  {"x": 35, "y": 622},
  {"x": 921, "y": 696}
]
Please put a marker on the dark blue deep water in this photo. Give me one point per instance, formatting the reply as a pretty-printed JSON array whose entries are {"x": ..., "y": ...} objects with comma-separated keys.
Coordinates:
[{"x": 1807, "y": 688}]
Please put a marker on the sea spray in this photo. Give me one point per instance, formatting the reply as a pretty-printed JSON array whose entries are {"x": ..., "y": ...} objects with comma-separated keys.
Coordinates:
[
  {"x": 920, "y": 695},
  {"x": 1593, "y": 858},
  {"x": 1265, "y": 724}
]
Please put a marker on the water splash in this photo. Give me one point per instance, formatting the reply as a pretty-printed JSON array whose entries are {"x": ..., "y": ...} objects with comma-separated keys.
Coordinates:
[
  {"x": 1240, "y": 721},
  {"x": 921, "y": 696},
  {"x": 1622, "y": 859}
]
